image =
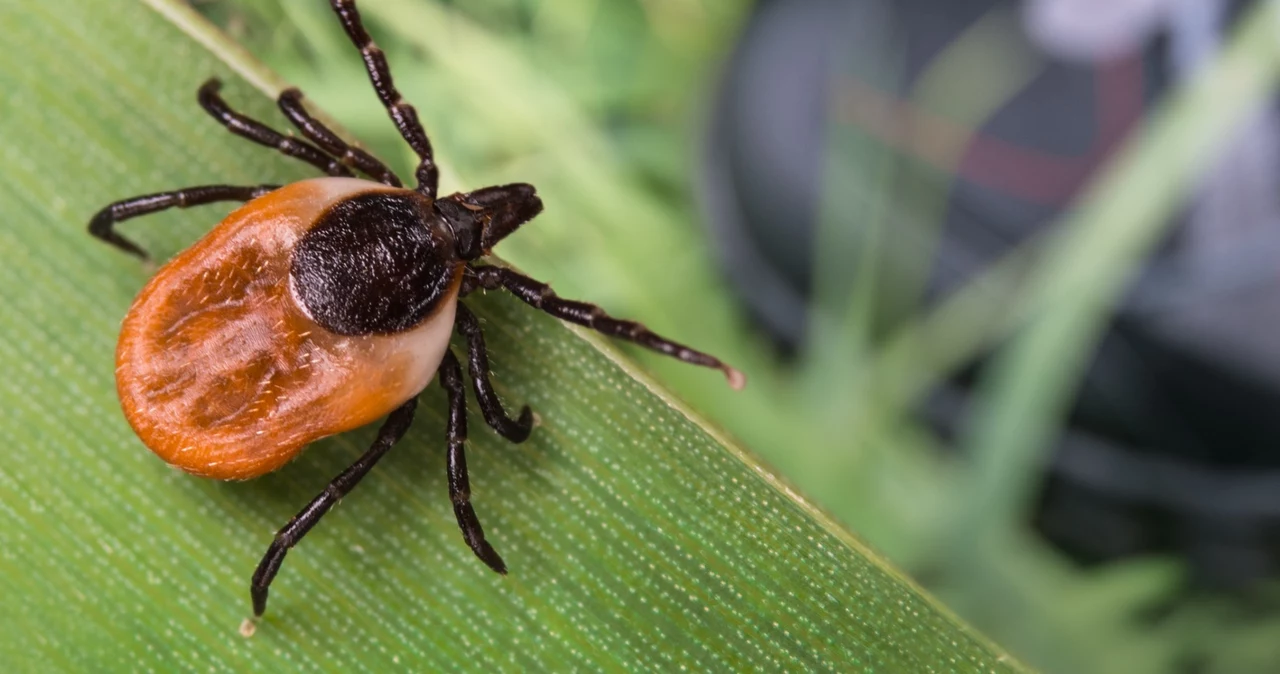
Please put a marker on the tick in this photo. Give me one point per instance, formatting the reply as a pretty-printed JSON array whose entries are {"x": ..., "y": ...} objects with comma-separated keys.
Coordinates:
[{"x": 321, "y": 306}]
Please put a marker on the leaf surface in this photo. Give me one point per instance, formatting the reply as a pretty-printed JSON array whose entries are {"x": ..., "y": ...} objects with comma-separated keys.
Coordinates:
[{"x": 637, "y": 536}]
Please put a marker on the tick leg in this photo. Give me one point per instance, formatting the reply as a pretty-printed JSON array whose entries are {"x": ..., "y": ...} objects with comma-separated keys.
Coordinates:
[
  {"x": 478, "y": 365},
  {"x": 401, "y": 113},
  {"x": 389, "y": 434},
  {"x": 262, "y": 134},
  {"x": 540, "y": 296},
  {"x": 459, "y": 484},
  {"x": 103, "y": 223},
  {"x": 290, "y": 102}
]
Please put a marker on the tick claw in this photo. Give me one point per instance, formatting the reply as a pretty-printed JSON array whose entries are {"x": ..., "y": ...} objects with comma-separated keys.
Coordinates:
[{"x": 737, "y": 380}]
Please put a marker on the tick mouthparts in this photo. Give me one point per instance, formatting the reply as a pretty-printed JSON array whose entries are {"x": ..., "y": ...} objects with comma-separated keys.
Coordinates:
[{"x": 737, "y": 380}]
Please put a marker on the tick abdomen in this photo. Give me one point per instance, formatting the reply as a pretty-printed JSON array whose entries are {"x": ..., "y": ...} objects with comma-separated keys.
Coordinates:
[{"x": 221, "y": 370}]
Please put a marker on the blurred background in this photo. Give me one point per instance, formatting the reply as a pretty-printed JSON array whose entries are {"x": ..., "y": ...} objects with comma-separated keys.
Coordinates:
[{"x": 861, "y": 204}]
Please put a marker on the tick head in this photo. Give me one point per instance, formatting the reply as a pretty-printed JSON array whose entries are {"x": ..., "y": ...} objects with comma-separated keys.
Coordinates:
[{"x": 482, "y": 218}]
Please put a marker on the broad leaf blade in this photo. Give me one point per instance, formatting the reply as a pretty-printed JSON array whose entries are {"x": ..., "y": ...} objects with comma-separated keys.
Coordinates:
[{"x": 637, "y": 537}]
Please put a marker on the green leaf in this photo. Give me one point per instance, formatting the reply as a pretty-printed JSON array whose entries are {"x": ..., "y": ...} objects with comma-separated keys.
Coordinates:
[{"x": 637, "y": 536}]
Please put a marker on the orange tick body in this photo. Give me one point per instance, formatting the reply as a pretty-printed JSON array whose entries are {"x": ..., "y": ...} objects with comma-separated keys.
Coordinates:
[
  {"x": 322, "y": 306},
  {"x": 223, "y": 372}
]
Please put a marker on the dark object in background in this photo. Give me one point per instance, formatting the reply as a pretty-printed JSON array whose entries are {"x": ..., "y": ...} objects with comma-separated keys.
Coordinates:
[{"x": 1172, "y": 441}]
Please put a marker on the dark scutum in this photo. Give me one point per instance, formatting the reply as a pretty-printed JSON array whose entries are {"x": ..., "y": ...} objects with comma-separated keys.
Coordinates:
[{"x": 376, "y": 263}]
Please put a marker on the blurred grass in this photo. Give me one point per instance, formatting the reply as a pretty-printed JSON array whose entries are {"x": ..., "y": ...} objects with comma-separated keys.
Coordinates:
[
  {"x": 597, "y": 103},
  {"x": 638, "y": 536}
]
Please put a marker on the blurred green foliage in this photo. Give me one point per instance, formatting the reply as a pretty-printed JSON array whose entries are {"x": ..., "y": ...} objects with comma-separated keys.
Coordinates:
[{"x": 601, "y": 105}]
